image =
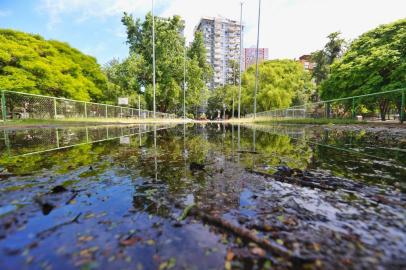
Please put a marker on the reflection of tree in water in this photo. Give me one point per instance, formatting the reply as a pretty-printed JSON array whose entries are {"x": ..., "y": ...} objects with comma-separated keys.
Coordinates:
[
  {"x": 274, "y": 150},
  {"x": 64, "y": 160},
  {"x": 152, "y": 198}
]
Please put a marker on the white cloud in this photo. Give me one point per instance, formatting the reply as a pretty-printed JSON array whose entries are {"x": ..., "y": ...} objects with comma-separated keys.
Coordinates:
[
  {"x": 85, "y": 9},
  {"x": 289, "y": 28}
]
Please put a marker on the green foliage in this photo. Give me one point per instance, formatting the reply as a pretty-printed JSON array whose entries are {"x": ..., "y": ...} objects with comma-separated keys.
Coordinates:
[
  {"x": 282, "y": 83},
  {"x": 321, "y": 68},
  {"x": 123, "y": 80},
  {"x": 169, "y": 51},
  {"x": 332, "y": 51},
  {"x": 197, "y": 92},
  {"x": 28, "y": 63},
  {"x": 170, "y": 62},
  {"x": 335, "y": 47},
  {"x": 375, "y": 62},
  {"x": 197, "y": 51},
  {"x": 220, "y": 97}
]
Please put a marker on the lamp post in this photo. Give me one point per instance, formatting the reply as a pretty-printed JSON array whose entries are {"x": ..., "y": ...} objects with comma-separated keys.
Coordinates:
[
  {"x": 256, "y": 61},
  {"x": 153, "y": 57},
  {"x": 239, "y": 89}
]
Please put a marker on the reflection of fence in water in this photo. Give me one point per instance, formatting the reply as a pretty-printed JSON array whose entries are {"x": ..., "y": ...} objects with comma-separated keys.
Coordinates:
[
  {"x": 33, "y": 141},
  {"x": 294, "y": 134}
]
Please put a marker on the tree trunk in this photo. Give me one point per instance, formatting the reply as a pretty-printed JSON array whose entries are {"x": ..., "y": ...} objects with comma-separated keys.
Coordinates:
[{"x": 383, "y": 108}]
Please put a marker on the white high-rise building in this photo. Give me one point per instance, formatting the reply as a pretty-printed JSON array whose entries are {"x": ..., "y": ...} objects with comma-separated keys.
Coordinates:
[{"x": 222, "y": 41}]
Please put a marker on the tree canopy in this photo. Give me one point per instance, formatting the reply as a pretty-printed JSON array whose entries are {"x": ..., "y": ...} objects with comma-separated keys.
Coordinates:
[
  {"x": 332, "y": 51},
  {"x": 170, "y": 61},
  {"x": 282, "y": 83},
  {"x": 374, "y": 62},
  {"x": 123, "y": 80},
  {"x": 31, "y": 64},
  {"x": 169, "y": 54}
]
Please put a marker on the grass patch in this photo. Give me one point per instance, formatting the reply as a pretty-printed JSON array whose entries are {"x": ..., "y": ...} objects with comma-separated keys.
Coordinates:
[
  {"x": 311, "y": 121},
  {"x": 83, "y": 121}
]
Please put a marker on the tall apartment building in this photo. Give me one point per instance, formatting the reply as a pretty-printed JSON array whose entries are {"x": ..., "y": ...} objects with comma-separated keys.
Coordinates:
[
  {"x": 250, "y": 55},
  {"x": 222, "y": 41}
]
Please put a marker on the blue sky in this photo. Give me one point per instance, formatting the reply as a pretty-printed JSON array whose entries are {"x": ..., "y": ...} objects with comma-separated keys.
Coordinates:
[
  {"x": 289, "y": 28},
  {"x": 102, "y": 37}
]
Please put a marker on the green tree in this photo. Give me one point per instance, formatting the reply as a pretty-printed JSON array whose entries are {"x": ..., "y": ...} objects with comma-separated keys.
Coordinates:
[
  {"x": 374, "y": 62},
  {"x": 321, "y": 68},
  {"x": 220, "y": 97},
  {"x": 29, "y": 63},
  {"x": 197, "y": 92},
  {"x": 197, "y": 51},
  {"x": 235, "y": 72},
  {"x": 335, "y": 47},
  {"x": 169, "y": 57},
  {"x": 123, "y": 80},
  {"x": 282, "y": 83},
  {"x": 332, "y": 51}
]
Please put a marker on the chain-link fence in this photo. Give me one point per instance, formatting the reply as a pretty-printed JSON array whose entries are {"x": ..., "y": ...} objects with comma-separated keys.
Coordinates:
[
  {"x": 17, "y": 105},
  {"x": 382, "y": 106}
]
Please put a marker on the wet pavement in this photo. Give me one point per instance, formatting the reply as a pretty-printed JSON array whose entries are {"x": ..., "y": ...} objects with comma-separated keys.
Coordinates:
[{"x": 202, "y": 197}]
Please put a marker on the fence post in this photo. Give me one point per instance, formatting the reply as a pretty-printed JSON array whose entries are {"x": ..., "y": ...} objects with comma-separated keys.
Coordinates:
[
  {"x": 139, "y": 107},
  {"x": 353, "y": 108},
  {"x": 55, "y": 111},
  {"x": 106, "y": 111},
  {"x": 3, "y": 106},
  {"x": 85, "y": 110},
  {"x": 402, "y": 107}
]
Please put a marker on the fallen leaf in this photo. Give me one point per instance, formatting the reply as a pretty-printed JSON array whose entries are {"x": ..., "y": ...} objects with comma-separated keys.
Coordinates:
[
  {"x": 169, "y": 264},
  {"x": 227, "y": 265},
  {"x": 130, "y": 241},
  {"x": 85, "y": 238},
  {"x": 88, "y": 252},
  {"x": 258, "y": 251},
  {"x": 151, "y": 242},
  {"x": 230, "y": 255}
]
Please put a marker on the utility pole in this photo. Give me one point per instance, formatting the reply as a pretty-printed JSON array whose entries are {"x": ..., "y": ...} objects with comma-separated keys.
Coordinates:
[
  {"x": 184, "y": 84},
  {"x": 153, "y": 56},
  {"x": 239, "y": 89},
  {"x": 256, "y": 60},
  {"x": 235, "y": 80}
]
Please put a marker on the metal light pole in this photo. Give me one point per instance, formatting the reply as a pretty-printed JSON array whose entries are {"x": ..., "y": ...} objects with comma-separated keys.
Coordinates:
[
  {"x": 153, "y": 55},
  {"x": 239, "y": 89},
  {"x": 184, "y": 84},
  {"x": 256, "y": 60}
]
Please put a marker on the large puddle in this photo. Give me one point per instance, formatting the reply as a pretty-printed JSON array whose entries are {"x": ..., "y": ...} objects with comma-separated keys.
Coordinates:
[{"x": 201, "y": 197}]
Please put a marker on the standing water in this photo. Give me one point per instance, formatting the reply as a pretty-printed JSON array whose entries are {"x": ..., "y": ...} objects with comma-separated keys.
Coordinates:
[{"x": 202, "y": 197}]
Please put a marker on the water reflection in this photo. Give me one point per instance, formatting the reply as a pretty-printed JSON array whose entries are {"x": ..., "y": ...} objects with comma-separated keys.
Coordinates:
[
  {"x": 36, "y": 141},
  {"x": 134, "y": 182},
  {"x": 349, "y": 154}
]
